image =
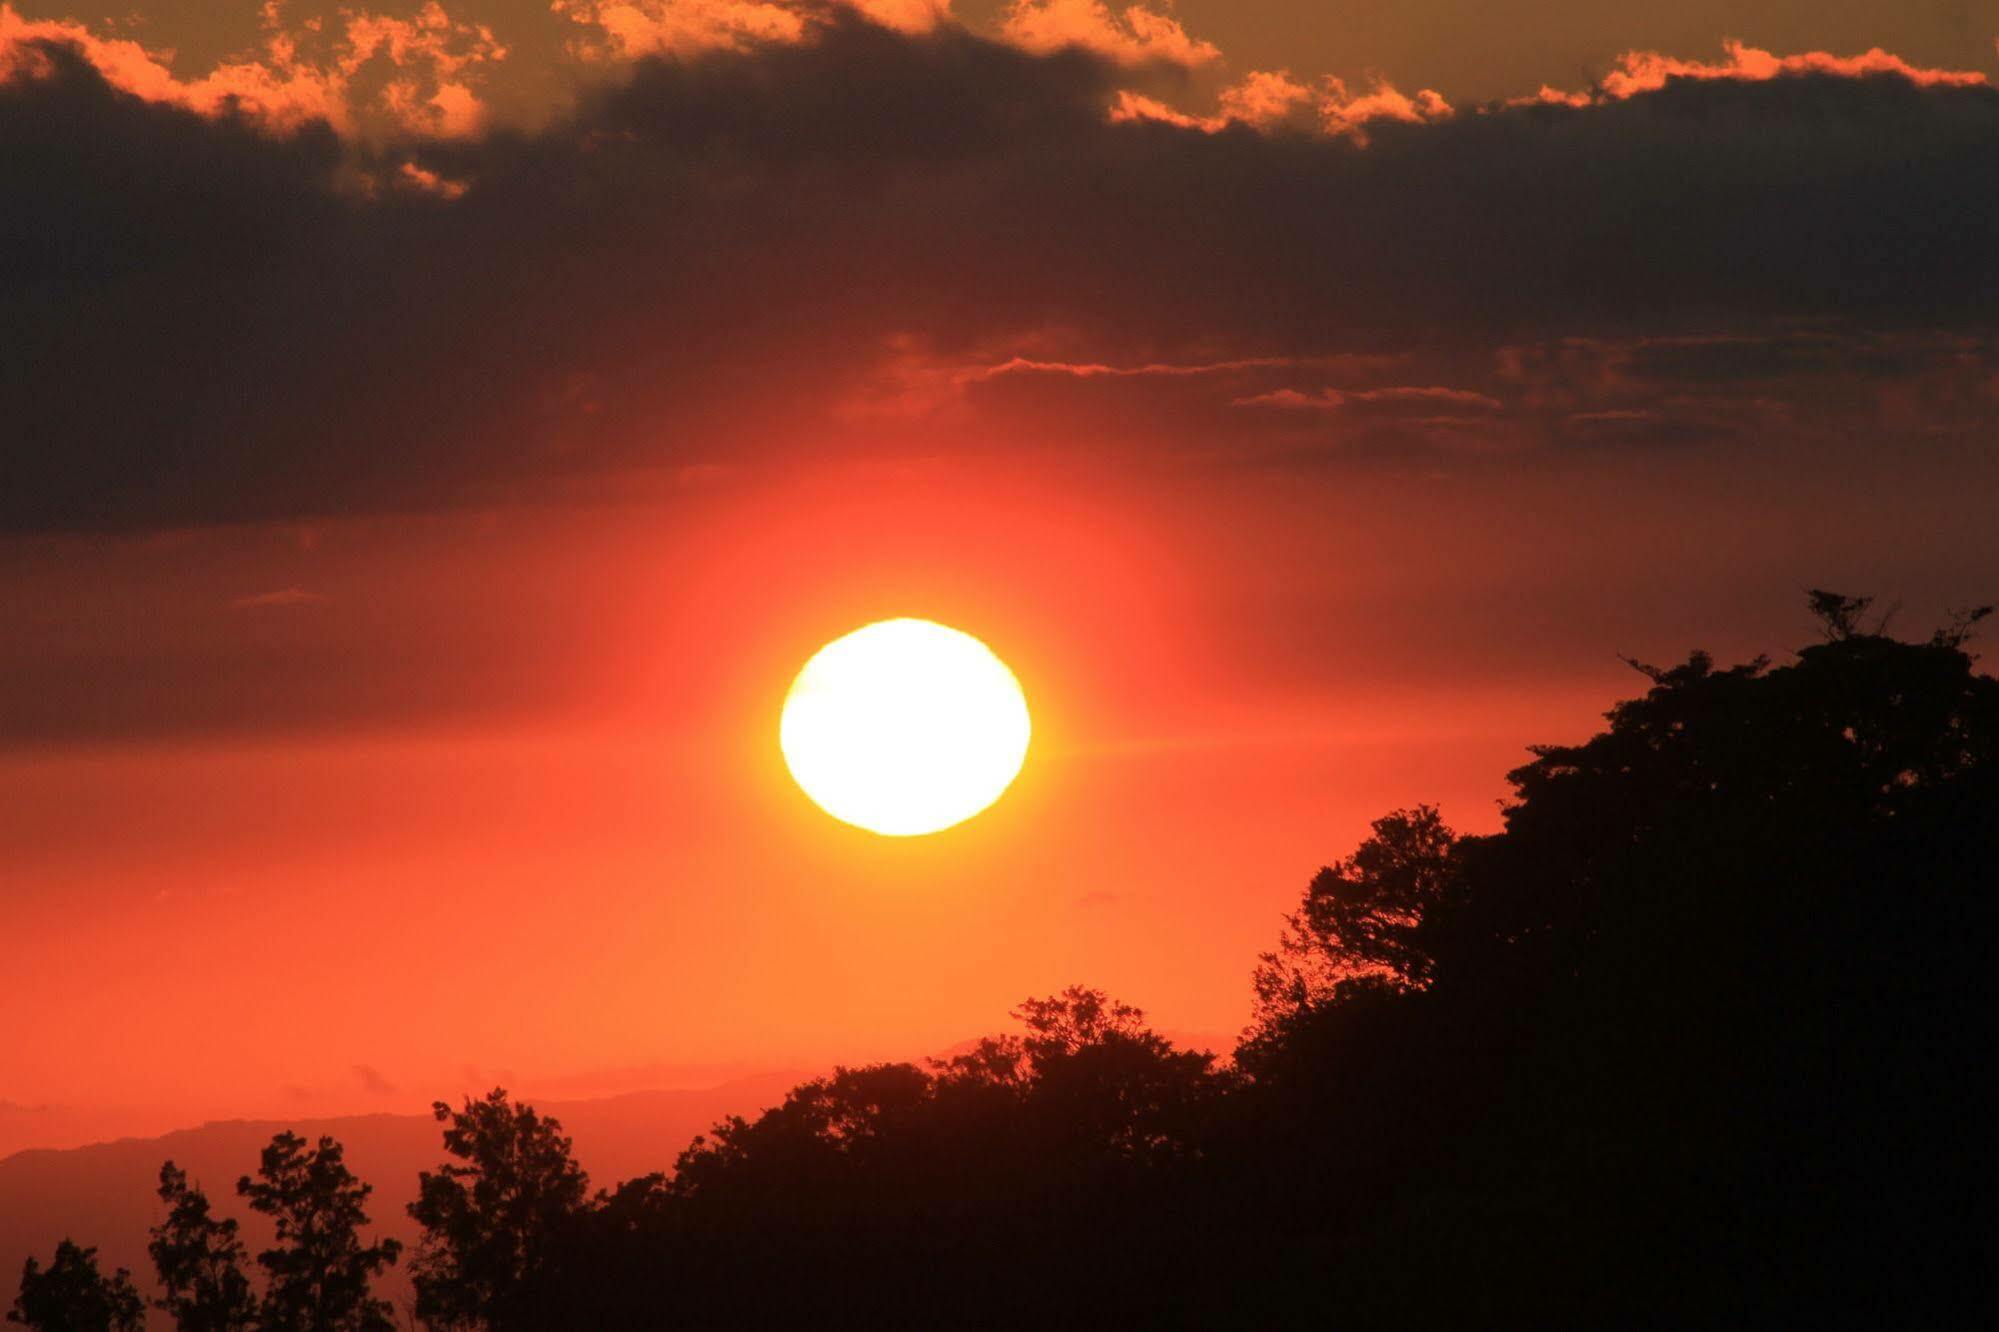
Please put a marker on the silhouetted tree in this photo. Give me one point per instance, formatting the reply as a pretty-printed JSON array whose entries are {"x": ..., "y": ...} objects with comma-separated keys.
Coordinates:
[
  {"x": 1088, "y": 1089},
  {"x": 200, "y": 1261},
  {"x": 841, "y": 1140},
  {"x": 1366, "y": 916},
  {"x": 489, "y": 1218},
  {"x": 1053, "y": 1153},
  {"x": 320, "y": 1271},
  {"x": 1961, "y": 628},
  {"x": 73, "y": 1296},
  {"x": 1702, "y": 966},
  {"x": 1842, "y": 617},
  {"x": 1094, "y": 1082}
]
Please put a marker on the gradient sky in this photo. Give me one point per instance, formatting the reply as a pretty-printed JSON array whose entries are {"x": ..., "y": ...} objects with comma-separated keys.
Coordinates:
[{"x": 443, "y": 431}]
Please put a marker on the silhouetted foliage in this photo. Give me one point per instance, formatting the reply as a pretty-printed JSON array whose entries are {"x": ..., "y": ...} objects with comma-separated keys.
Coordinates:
[
  {"x": 199, "y": 1260},
  {"x": 1089, "y": 1093},
  {"x": 1367, "y": 916},
  {"x": 73, "y": 1296},
  {"x": 489, "y": 1218},
  {"x": 1841, "y": 617},
  {"x": 1703, "y": 966},
  {"x": 319, "y": 1272},
  {"x": 1963, "y": 625}
]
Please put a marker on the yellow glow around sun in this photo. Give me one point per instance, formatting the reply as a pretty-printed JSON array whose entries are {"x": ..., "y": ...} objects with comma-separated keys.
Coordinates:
[{"x": 904, "y": 727}]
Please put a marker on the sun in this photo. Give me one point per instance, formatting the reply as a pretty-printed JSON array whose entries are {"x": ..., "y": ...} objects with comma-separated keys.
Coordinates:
[{"x": 904, "y": 727}]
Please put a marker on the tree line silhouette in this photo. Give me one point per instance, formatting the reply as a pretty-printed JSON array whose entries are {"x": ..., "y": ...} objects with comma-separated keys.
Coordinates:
[{"x": 1695, "y": 1038}]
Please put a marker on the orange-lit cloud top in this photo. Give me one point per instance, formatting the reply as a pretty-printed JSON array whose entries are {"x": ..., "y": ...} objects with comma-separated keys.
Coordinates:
[
  {"x": 275, "y": 89},
  {"x": 297, "y": 76},
  {"x": 625, "y": 29},
  {"x": 1133, "y": 35},
  {"x": 365, "y": 73},
  {"x": 1649, "y": 71},
  {"x": 1267, "y": 98},
  {"x": 629, "y": 29}
]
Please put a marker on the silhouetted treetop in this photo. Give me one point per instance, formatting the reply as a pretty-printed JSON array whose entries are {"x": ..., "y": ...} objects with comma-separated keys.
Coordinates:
[
  {"x": 490, "y": 1216},
  {"x": 73, "y": 1296},
  {"x": 199, "y": 1260},
  {"x": 319, "y": 1273},
  {"x": 1088, "y": 1089},
  {"x": 1365, "y": 916}
]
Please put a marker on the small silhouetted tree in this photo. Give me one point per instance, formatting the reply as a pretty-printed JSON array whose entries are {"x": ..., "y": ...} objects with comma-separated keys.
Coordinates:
[
  {"x": 200, "y": 1261},
  {"x": 73, "y": 1296},
  {"x": 320, "y": 1271},
  {"x": 490, "y": 1217},
  {"x": 1842, "y": 617}
]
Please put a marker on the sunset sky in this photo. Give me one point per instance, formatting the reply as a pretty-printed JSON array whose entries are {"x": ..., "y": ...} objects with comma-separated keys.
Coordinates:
[{"x": 433, "y": 436}]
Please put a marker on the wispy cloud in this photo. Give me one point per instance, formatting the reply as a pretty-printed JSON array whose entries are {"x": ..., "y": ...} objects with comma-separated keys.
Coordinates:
[
  {"x": 1332, "y": 400},
  {"x": 372, "y": 1081},
  {"x": 284, "y": 596}
]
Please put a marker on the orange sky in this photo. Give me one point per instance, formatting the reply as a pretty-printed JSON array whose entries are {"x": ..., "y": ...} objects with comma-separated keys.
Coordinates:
[
  {"x": 412, "y": 540},
  {"x": 595, "y": 874}
]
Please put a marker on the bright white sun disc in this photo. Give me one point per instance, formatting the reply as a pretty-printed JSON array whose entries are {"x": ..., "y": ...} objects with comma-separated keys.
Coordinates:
[{"x": 904, "y": 727}]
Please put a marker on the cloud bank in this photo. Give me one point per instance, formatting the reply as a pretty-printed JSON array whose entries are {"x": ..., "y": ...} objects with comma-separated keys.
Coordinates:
[{"x": 235, "y": 306}]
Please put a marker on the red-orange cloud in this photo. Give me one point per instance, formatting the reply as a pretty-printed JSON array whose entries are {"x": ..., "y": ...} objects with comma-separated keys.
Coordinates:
[
  {"x": 612, "y": 30},
  {"x": 1133, "y": 35},
  {"x": 1349, "y": 113},
  {"x": 627, "y": 29},
  {"x": 1264, "y": 97},
  {"x": 1649, "y": 71},
  {"x": 278, "y": 90},
  {"x": 1268, "y": 99},
  {"x": 436, "y": 61}
]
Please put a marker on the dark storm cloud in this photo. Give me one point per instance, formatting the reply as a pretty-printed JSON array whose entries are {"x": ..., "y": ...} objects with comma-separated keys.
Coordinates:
[{"x": 202, "y": 322}]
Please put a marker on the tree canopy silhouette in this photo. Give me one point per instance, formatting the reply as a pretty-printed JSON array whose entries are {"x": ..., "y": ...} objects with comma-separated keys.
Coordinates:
[
  {"x": 199, "y": 1260},
  {"x": 490, "y": 1216},
  {"x": 1366, "y": 917},
  {"x": 1726, "y": 957},
  {"x": 319, "y": 1272},
  {"x": 73, "y": 1296}
]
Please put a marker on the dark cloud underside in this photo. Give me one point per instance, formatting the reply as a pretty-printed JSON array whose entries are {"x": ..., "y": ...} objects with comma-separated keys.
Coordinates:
[{"x": 210, "y": 323}]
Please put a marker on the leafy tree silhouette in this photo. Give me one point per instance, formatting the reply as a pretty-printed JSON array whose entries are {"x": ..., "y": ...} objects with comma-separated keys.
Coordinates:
[
  {"x": 319, "y": 1271},
  {"x": 1677, "y": 1008},
  {"x": 1088, "y": 1091},
  {"x": 489, "y": 1221},
  {"x": 1366, "y": 916},
  {"x": 199, "y": 1260},
  {"x": 894, "y": 1183},
  {"x": 1094, "y": 1083},
  {"x": 73, "y": 1296}
]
